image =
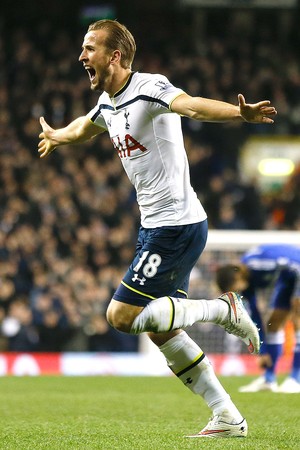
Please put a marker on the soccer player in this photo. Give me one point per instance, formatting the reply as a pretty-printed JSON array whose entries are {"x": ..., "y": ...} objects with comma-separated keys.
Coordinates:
[
  {"x": 275, "y": 267},
  {"x": 141, "y": 113}
]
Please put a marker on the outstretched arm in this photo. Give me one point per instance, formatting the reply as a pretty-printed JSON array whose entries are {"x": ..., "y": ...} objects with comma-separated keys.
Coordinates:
[
  {"x": 208, "y": 110},
  {"x": 80, "y": 130}
]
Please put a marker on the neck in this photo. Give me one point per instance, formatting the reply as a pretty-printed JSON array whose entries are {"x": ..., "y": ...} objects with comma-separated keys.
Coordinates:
[{"x": 119, "y": 81}]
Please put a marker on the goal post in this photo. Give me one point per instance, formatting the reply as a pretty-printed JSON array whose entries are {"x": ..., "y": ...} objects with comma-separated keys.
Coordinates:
[{"x": 244, "y": 239}]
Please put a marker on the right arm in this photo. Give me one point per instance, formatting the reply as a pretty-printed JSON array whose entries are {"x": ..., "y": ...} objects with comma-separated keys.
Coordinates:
[
  {"x": 78, "y": 131},
  {"x": 208, "y": 110}
]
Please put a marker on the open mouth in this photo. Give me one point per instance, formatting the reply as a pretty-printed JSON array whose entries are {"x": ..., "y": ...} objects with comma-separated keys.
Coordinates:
[{"x": 91, "y": 72}]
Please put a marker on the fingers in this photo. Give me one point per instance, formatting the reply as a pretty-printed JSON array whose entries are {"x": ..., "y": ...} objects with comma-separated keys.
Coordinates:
[
  {"x": 268, "y": 109},
  {"x": 44, "y": 147},
  {"x": 266, "y": 112},
  {"x": 267, "y": 120},
  {"x": 44, "y": 124},
  {"x": 264, "y": 103},
  {"x": 260, "y": 112},
  {"x": 269, "y": 112},
  {"x": 41, "y": 146},
  {"x": 241, "y": 99},
  {"x": 42, "y": 150}
]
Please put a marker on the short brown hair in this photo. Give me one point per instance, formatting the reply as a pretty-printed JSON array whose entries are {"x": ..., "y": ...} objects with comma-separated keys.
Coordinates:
[
  {"x": 118, "y": 38},
  {"x": 226, "y": 275}
]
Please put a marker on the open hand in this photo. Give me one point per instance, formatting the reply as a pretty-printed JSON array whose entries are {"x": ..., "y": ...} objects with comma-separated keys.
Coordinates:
[
  {"x": 260, "y": 112},
  {"x": 47, "y": 143}
]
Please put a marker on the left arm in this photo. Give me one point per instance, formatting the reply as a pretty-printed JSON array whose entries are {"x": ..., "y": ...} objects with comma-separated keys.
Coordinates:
[{"x": 208, "y": 110}]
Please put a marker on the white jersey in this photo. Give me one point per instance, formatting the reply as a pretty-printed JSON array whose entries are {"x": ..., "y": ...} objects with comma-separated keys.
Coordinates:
[{"x": 149, "y": 141}]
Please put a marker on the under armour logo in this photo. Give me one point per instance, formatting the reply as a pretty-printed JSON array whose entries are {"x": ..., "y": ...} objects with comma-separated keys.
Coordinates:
[
  {"x": 188, "y": 381},
  {"x": 109, "y": 122},
  {"x": 141, "y": 280}
]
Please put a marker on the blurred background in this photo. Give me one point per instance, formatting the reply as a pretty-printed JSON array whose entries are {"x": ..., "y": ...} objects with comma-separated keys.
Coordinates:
[{"x": 68, "y": 224}]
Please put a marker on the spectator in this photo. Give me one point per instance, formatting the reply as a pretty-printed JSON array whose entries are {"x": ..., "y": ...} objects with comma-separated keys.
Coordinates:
[
  {"x": 46, "y": 232},
  {"x": 18, "y": 328}
]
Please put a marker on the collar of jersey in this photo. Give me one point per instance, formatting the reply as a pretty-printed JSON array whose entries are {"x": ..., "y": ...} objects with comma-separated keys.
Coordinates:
[{"x": 123, "y": 88}]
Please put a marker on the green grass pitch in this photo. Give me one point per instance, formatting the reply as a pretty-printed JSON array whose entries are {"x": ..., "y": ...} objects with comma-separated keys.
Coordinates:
[{"x": 134, "y": 413}]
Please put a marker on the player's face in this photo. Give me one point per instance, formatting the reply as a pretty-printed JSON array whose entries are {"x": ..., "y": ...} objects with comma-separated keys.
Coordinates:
[
  {"x": 240, "y": 282},
  {"x": 96, "y": 60}
]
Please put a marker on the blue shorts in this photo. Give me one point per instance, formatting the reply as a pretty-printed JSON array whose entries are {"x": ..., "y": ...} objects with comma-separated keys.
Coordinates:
[
  {"x": 285, "y": 289},
  {"x": 162, "y": 264}
]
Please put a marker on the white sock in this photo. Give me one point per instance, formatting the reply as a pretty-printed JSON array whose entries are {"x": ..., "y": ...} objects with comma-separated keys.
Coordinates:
[
  {"x": 193, "y": 368},
  {"x": 169, "y": 313},
  {"x": 275, "y": 337}
]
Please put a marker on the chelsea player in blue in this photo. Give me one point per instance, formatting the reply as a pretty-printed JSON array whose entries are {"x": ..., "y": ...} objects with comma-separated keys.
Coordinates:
[
  {"x": 141, "y": 113},
  {"x": 275, "y": 267}
]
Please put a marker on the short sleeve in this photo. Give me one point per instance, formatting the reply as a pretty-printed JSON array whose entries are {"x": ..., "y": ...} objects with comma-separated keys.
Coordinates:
[
  {"x": 163, "y": 90},
  {"x": 96, "y": 117}
]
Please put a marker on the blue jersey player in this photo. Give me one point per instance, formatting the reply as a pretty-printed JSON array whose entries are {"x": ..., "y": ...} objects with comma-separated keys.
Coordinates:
[
  {"x": 276, "y": 268},
  {"x": 141, "y": 112}
]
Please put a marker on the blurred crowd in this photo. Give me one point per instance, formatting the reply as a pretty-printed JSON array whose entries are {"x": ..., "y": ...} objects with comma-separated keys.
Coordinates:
[{"x": 68, "y": 223}]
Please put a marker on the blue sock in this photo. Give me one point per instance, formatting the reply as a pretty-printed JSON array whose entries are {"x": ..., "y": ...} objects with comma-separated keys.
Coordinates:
[
  {"x": 275, "y": 351},
  {"x": 274, "y": 347},
  {"x": 295, "y": 373}
]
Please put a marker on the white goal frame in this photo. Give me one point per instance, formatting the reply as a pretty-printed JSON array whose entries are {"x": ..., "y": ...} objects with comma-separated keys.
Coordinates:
[{"x": 244, "y": 239}]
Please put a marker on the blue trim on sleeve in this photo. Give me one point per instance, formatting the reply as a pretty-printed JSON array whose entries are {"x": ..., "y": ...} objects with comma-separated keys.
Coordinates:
[
  {"x": 145, "y": 98},
  {"x": 97, "y": 113}
]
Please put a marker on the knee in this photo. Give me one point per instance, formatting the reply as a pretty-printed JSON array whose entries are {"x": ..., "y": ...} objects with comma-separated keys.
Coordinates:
[
  {"x": 117, "y": 321},
  {"x": 277, "y": 320},
  {"x": 121, "y": 316}
]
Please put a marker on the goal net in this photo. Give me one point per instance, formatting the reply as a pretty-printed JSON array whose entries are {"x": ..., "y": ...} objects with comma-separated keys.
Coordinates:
[{"x": 225, "y": 247}]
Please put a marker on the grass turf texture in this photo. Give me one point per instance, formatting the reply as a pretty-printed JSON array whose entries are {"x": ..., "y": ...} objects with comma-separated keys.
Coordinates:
[{"x": 111, "y": 413}]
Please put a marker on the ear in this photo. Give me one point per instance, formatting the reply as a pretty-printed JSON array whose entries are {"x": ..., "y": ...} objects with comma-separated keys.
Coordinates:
[{"x": 115, "y": 57}]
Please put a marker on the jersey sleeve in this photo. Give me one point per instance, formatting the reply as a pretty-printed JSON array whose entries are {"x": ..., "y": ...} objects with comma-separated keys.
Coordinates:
[
  {"x": 96, "y": 116},
  {"x": 162, "y": 90}
]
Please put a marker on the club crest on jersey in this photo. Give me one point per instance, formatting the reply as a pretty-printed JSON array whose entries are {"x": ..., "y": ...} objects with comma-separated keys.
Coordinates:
[
  {"x": 126, "y": 115},
  {"x": 163, "y": 85},
  {"x": 141, "y": 280}
]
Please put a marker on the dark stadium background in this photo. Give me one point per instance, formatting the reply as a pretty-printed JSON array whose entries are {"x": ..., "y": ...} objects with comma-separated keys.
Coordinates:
[{"x": 68, "y": 224}]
